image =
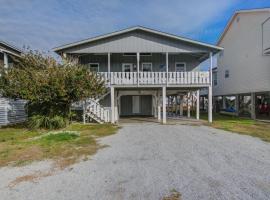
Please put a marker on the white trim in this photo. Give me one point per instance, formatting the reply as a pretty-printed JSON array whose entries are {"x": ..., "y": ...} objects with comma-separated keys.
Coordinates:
[
  {"x": 88, "y": 65},
  {"x": 132, "y": 29},
  {"x": 147, "y": 64},
  {"x": 131, "y": 64},
  {"x": 185, "y": 65}
]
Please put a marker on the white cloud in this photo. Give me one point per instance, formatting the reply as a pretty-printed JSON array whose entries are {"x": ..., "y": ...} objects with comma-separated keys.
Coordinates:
[{"x": 46, "y": 24}]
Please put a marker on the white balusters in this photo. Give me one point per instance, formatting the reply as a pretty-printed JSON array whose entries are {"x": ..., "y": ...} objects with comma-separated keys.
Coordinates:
[{"x": 155, "y": 78}]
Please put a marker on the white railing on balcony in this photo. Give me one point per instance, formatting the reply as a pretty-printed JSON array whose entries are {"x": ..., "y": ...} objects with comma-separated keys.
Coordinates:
[{"x": 156, "y": 78}]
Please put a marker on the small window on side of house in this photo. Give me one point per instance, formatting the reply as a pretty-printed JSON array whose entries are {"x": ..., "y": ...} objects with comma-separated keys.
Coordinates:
[
  {"x": 94, "y": 67},
  {"x": 227, "y": 73}
]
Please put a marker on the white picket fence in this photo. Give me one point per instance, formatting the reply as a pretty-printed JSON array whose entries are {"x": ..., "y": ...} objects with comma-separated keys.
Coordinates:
[{"x": 156, "y": 78}]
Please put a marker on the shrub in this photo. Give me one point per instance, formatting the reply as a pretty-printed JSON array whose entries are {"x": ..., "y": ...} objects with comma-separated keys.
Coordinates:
[{"x": 41, "y": 121}]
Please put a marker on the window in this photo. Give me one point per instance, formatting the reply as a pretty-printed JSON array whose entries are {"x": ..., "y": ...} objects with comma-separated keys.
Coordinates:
[
  {"x": 129, "y": 54},
  {"x": 146, "y": 67},
  {"x": 227, "y": 74},
  {"x": 145, "y": 54},
  {"x": 180, "y": 67},
  {"x": 94, "y": 67}
]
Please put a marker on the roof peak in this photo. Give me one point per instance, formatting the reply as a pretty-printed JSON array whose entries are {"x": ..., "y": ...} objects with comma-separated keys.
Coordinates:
[{"x": 132, "y": 28}]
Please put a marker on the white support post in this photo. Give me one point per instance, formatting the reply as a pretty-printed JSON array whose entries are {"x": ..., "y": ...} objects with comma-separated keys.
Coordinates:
[
  {"x": 5, "y": 60},
  {"x": 198, "y": 104},
  {"x": 138, "y": 68},
  {"x": 188, "y": 105},
  {"x": 181, "y": 105},
  {"x": 112, "y": 106},
  {"x": 237, "y": 104},
  {"x": 109, "y": 67},
  {"x": 223, "y": 102},
  {"x": 167, "y": 66},
  {"x": 210, "y": 117},
  {"x": 164, "y": 105},
  {"x": 253, "y": 106}
]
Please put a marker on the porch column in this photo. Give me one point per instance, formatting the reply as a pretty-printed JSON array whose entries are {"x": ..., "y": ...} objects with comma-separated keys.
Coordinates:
[
  {"x": 253, "y": 106},
  {"x": 210, "y": 117},
  {"x": 5, "y": 60},
  {"x": 237, "y": 104},
  {"x": 138, "y": 67},
  {"x": 164, "y": 105},
  {"x": 188, "y": 105},
  {"x": 198, "y": 105},
  {"x": 223, "y": 102},
  {"x": 112, "y": 105},
  {"x": 167, "y": 66},
  {"x": 181, "y": 105},
  {"x": 109, "y": 62}
]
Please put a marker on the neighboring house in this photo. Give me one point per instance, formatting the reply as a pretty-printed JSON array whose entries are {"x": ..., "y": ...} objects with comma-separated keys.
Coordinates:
[
  {"x": 147, "y": 72},
  {"x": 11, "y": 111},
  {"x": 242, "y": 84}
]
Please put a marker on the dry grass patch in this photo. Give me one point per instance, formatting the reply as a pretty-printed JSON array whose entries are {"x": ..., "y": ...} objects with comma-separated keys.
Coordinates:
[
  {"x": 19, "y": 146},
  {"x": 175, "y": 195}
]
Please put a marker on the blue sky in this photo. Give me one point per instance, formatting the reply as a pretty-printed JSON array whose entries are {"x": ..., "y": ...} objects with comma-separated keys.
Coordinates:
[{"x": 44, "y": 24}]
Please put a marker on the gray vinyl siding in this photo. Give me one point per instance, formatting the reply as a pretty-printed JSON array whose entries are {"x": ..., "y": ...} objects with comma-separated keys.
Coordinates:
[
  {"x": 12, "y": 111},
  {"x": 137, "y": 41},
  {"x": 157, "y": 59}
]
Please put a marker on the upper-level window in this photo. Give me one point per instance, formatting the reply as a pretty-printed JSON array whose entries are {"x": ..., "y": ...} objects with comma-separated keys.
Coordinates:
[
  {"x": 146, "y": 67},
  {"x": 227, "y": 73},
  {"x": 129, "y": 54},
  {"x": 145, "y": 54},
  {"x": 94, "y": 67},
  {"x": 180, "y": 67}
]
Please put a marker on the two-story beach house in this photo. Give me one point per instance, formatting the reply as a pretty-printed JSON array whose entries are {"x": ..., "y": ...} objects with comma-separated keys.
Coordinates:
[
  {"x": 241, "y": 82},
  {"x": 146, "y": 72}
]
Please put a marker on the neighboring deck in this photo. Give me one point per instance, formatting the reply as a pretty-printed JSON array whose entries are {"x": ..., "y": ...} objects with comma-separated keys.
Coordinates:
[{"x": 174, "y": 79}]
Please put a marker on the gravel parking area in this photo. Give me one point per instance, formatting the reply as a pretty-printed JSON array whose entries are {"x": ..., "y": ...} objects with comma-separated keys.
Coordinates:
[{"x": 147, "y": 161}]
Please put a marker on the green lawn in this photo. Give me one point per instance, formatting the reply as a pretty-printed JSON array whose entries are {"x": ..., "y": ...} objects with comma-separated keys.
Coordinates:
[
  {"x": 19, "y": 145},
  {"x": 241, "y": 125}
]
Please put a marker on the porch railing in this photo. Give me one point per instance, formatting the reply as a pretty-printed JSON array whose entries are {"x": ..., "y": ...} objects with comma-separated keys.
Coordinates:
[{"x": 156, "y": 78}]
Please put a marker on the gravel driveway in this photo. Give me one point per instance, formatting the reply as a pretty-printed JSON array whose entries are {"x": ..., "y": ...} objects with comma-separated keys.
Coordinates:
[{"x": 147, "y": 161}]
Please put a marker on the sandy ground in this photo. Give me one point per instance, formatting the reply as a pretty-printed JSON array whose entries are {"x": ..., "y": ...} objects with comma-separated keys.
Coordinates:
[{"x": 147, "y": 161}]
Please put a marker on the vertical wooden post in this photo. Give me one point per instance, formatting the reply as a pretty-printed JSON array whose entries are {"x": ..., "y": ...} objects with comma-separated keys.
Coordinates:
[
  {"x": 138, "y": 67},
  {"x": 5, "y": 60},
  {"x": 164, "y": 105},
  {"x": 253, "y": 106},
  {"x": 198, "y": 105},
  {"x": 167, "y": 67},
  {"x": 188, "y": 105},
  {"x": 112, "y": 105},
  {"x": 210, "y": 117},
  {"x": 237, "y": 104},
  {"x": 109, "y": 67},
  {"x": 181, "y": 105}
]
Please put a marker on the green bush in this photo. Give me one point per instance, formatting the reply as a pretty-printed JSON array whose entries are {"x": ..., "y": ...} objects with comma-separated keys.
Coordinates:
[{"x": 41, "y": 121}]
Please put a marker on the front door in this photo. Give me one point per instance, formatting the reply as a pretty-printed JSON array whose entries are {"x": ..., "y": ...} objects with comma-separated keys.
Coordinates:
[
  {"x": 127, "y": 67},
  {"x": 135, "y": 104}
]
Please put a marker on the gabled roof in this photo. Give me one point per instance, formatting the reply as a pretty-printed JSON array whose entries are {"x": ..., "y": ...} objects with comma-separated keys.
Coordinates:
[
  {"x": 60, "y": 48},
  {"x": 8, "y": 48},
  {"x": 234, "y": 16}
]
